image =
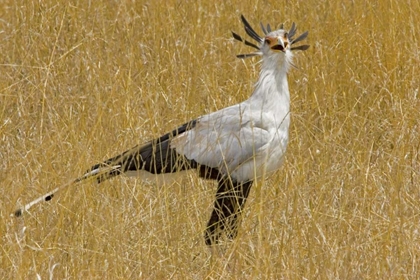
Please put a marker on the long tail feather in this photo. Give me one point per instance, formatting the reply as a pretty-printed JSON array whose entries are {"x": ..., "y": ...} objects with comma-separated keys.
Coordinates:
[
  {"x": 48, "y": 196},
  {"x": 155, "y": 157}
]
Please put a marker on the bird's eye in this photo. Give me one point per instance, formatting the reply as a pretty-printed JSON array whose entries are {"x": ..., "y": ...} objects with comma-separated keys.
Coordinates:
[{"x": 267, "y": 41}]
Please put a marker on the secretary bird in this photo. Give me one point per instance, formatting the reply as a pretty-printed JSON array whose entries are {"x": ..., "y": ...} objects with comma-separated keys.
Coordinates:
[{"x": 233, "y": 146}]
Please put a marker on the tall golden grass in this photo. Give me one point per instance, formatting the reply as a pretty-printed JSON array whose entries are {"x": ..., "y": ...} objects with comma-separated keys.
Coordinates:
[{"x": 81, "y": 81}]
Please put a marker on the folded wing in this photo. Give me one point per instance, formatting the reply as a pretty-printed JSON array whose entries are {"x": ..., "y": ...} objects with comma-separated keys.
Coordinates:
[{"x": 225, "y": 140}]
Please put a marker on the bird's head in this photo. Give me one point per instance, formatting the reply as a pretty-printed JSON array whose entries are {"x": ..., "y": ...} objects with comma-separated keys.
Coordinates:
[{"x": 277, "y": 44}]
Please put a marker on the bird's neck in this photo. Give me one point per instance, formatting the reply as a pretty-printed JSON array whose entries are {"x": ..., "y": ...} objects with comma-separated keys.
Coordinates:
[{"x": 272, "y": 89}]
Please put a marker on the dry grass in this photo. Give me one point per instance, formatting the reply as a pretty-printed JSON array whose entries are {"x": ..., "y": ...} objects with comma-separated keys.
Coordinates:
[{"x": 80, "y": 83}]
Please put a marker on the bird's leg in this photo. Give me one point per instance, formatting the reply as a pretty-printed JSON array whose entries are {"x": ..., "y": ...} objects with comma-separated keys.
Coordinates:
[
  {"x": 241, "y": 194},
  {"x": 215, "y": 225},
  {"x": 230, "y": 200}
]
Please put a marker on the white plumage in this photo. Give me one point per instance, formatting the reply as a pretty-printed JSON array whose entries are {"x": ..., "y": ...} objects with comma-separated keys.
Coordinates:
[
  {"x": 239, "y": 138},
  {"x": 234, "y": 146},
  {"x": 250, "y": 138}
]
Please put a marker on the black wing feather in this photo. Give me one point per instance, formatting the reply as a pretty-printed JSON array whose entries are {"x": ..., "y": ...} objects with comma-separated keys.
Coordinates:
[{"x": 155, "y": 157}]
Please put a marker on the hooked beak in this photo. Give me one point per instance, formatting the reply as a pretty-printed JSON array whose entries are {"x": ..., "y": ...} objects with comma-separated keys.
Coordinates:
[{"x": 278, "y": 43}]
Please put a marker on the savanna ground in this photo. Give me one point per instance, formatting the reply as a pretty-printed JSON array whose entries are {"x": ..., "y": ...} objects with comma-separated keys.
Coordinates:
[{"x": 81, "y": 81}]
